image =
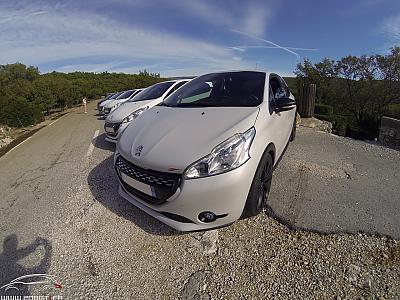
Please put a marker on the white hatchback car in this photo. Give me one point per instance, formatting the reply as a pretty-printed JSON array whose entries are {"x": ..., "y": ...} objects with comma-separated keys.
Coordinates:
[
  {"x": 205, "y": 156},
  {"x": 114, "y": 103},
  {"x": 101, "y": 104},
  {"x": 119, "y": 119}
]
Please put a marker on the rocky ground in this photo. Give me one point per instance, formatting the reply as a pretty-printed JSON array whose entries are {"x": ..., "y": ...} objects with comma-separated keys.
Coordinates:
[{"x": 61, "y": 215}]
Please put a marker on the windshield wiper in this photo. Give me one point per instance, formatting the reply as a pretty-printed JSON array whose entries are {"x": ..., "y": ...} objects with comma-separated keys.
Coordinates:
[
  {"x": 194, "y": 104},
  {"x": 163, "y": 104}
]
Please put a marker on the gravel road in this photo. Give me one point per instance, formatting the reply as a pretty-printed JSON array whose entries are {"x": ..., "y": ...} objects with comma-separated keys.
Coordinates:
[{"x": 61, "y": 215}]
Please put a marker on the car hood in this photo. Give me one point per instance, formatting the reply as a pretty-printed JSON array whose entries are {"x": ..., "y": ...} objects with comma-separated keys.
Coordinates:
[
  {"x": 125, "y": 110},
  {"x": 102, "y": 104},
  {"x": 111, "y": 103},
  {"x": 173, "y": 138}
]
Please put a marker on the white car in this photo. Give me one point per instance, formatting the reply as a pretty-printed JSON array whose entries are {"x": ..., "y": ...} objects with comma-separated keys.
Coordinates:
[
  {"x": 119, "y": 119},
  {"x": 204, "y": 157},
  {"x": 114, "y": 103},
  {"x": 101, "y": 104},
  {"x": 109, "y": 96}
]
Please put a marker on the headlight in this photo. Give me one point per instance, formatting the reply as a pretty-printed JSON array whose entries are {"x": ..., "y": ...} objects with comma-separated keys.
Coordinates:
[
  {"x": 225, "y": 157},
  {"x": 117, "y": 105},
  {"x": 135, "y": 114}
]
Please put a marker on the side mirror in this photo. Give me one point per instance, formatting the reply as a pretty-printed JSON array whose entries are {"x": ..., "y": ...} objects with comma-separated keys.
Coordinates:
[{"x": 284, "y": 104}]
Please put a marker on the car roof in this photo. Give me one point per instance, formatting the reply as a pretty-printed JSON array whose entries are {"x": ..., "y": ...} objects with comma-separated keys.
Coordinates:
[{"x": 237, "y": 71}]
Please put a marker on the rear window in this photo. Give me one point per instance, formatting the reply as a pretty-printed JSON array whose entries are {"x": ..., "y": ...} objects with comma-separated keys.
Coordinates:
[{"x": 241, "y": 89}]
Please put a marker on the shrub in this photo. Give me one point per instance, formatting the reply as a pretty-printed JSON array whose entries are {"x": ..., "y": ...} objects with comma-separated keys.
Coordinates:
[
  {"x": 323, "y": 117},
  {"x": 339, "y": 123},
  {"x": 20, "y": 112},
  {"x": 323, "y": 109},
  {"x": 393, "y": 111}
]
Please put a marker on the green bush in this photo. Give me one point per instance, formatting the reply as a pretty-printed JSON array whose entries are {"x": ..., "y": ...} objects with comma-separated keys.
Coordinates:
[
  {"x": 25, "y": 94},
  {"x": 20, "y": 112},
  {"x": 339, "y": 123},
  {"x": 323, "y": 117},
  {"x": 323, "y": 109},
  {"x": 393, "y": 111},
  {"x": 367, "y": 129}
]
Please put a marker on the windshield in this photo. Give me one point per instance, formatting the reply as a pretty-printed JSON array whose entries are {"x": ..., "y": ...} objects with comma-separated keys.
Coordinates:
[
  {"x": 240, "y": 89},
  {"x": 109, "y": 96},
  {"x": 126, "y": 94},
  {"x": 116, "y": 95},
  {"x": 154, "y": 91},
  {"x": 134, "y": 95}
]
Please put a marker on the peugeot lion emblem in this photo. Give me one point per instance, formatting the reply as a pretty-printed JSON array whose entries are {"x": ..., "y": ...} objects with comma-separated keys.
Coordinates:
[{"x": 138, "y": 150}]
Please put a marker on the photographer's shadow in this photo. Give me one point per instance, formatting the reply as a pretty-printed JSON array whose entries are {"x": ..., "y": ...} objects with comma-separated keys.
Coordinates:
[
  {"x": 12, "y": 268},
  {"x": 103, "y": 184}
]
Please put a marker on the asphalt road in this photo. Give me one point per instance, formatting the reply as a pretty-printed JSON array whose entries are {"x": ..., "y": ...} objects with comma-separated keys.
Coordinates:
[
  {"x": 329, "y": 184},
  {"x": 61, "y": 214}
]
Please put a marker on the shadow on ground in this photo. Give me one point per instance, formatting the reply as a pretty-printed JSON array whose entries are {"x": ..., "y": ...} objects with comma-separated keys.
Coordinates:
[
  {"x": 12, "y": 262},
  {"x": 103, "y": 184},
  {"x": 101, "y": 143}
]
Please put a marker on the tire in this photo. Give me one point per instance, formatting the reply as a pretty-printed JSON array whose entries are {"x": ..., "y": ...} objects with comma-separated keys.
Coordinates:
[
  {"x": 260, "y": 187},
  {"x": 293, "y": 134}
]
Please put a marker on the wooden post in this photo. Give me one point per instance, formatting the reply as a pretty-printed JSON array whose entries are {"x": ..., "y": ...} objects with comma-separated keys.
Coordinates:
[{"x": 306, "y": 103}]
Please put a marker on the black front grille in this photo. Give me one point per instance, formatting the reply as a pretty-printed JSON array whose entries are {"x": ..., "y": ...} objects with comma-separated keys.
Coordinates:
[
  {"x": 114, "y": 126},
  {"x": 107, "y": 110},
  {"x": 163, "y": 184},
  {"x": 111, "y": 134},
  {"x": 176, "y": 217}
]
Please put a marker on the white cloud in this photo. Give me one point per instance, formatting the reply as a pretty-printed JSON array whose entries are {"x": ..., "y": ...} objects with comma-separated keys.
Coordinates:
[
  {"x": 391, "y": 28},
  {"x": 256, "y": 19},
  {"x": 49, "y": 33},
  {"x": 252, "y": 17}
]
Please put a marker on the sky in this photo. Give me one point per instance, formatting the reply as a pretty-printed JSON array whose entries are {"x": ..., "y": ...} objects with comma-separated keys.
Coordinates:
[{"x": 188, "y": 37}]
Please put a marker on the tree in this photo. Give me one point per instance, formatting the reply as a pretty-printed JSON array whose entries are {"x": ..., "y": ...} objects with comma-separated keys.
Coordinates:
[
  {"x": 24, "y": 91},
  {"x": 357, "y": 87}
]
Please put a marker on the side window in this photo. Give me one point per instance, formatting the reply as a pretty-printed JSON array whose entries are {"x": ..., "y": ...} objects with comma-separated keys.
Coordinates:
[
  {"x": 271, "y": 100},
  {"x": 177, "y": 86},
  {"x": 279, "y": 87},
  {"x": 285, "y": 87}
]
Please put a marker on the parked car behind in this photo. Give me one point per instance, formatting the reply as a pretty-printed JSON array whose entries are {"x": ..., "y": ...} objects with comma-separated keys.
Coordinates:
[
  {"x": 101, "y": 105},
  {"x": 118, "y": 120},
  {"x": 114, "y": 103},
  {"x": 204, "y": 157},
  {"x": 109, "y": 96}
]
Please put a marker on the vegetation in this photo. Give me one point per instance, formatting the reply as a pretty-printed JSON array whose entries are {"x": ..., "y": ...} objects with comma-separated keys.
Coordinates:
[
  {"x": 355, "y": 92},
  {"x": 26, "y": 96}
]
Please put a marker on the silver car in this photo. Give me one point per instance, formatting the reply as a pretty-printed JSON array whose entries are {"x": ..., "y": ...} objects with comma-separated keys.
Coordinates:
[
  {"x": 119, "y": 119},
  {"x": 205, "y": 156},
  {"x": 124, "y": 97}
]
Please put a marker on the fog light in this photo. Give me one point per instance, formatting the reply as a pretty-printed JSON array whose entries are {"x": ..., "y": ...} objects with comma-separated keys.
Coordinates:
[{"x": 207, "y": 217}]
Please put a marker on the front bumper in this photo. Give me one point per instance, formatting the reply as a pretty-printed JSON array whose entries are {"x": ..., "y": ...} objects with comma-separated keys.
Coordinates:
[
  {"x": 224, "y": 195},
  {"x": 113, "y": 135}
]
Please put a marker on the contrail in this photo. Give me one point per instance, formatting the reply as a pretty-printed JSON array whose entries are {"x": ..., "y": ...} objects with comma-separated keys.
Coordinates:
[
  {"x": 242, "y": 48},
  {"x": 16, "y": 16},
  {"x": 267, "y": 41}
]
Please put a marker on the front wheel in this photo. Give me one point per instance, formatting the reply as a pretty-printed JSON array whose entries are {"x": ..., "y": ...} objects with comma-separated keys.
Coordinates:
[{"x": 260, "y": 187}]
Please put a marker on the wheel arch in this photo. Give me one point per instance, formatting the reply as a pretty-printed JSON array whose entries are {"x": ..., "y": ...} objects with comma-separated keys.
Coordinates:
[
  {"x": 247, "y": 208},
  {"x": 271, "y": 150}
]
